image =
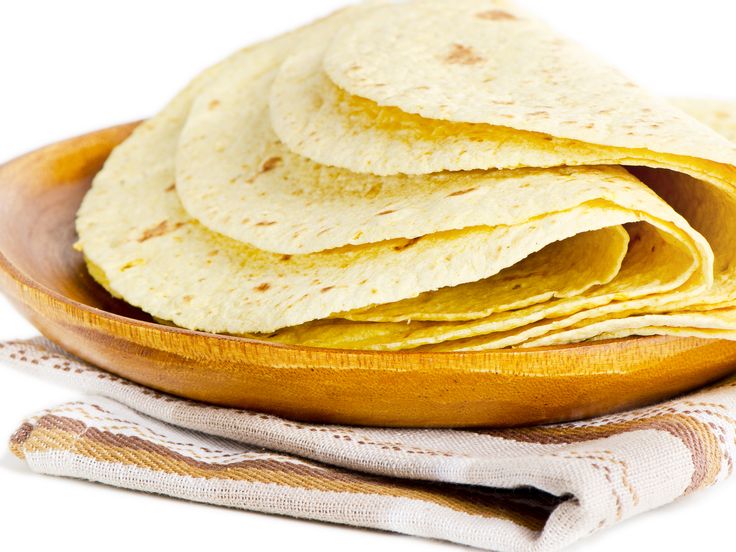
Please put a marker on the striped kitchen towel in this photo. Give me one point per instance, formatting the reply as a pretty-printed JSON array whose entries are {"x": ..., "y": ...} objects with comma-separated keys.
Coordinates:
[{"x": 532, "y": 489}]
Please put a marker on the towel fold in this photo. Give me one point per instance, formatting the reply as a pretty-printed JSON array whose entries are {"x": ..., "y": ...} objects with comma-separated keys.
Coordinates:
[{"x": 531, "y": 489}]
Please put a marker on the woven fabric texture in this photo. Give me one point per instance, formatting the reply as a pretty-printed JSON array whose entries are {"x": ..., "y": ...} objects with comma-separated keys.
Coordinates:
[{"x": 531, "y": 489}]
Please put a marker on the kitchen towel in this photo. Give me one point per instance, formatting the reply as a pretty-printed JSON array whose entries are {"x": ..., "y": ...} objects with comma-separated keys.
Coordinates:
[{"x": 531, "y": 489}]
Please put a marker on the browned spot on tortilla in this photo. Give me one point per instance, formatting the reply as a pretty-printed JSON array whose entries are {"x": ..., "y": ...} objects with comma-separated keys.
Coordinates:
[
  {"x": 160, "y": 229},
  {"x": 463, "y": 55},
  {"x": 285, "y": 258},
  {"x": 462, "y": 192},
  {"x": 213, "y": 253},
  {"x": 407, "y": 245},
  {"x": 540, "y": 114},
  {"x": 496, "y": 15},
  {"x": 171, "y": 188},
  {"x": 271, "y": 164},
  {"x": 386, "y": 212},
  {"x": 214, "y": 104},
  {"x": 187, "y": 298},
  {"x": 374, "y": 191},
  {"x": 266, "y": 223},
  {"x": 326, "y": 289},
  {"x": 265, "y": 286}
]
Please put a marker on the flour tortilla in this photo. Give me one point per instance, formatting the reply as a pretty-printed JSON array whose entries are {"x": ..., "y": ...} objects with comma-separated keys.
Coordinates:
[
  {"x": 238, "y": 179},
  {"x": 720, "y": 115},
  {"x": 682, "y": 324},
  {"x": 155, "y": 255},
  {"x": 653, "y": 275},
  {"x": 390, "y": 101},
  {"x": 688, "y": 164},
  {"x": 470, "y": 61},
  {"x": 701, "y": 320},
  {"x": 563, "y": 269}
]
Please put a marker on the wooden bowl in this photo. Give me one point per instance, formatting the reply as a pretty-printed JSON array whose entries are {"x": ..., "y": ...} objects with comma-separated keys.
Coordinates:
[{"x": 47, "y": 281}]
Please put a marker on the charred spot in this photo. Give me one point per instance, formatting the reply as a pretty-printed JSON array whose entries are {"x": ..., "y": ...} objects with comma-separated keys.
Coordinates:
[
  {"x": 517, "y": 286},
  {"x": 265, "y": 286},
  {"x": 463, "y": 55},
  {"x": 214, "y": 104},
  {"x": 161, "y": 229},
  {"x": 374, "y": 190},
  {"x": 386, "y": 212},
  {"x": 496, "y": 15},
  {"x": 462, "y": 192},
  {"x": 187, "y": 298},
  {"x": 266, "y": 223},
  {"x": 213, "y": 253},
  {"x": 172, "y": 187},
  {"x": 285, "y": 258},
  {"x": 326, "y": 289},
  {"x": 271, "y": 163},
  {"x": 407, "y": 245}
]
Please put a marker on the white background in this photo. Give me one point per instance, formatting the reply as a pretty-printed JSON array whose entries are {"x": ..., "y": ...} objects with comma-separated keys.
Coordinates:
[{"x": 67, "y": 67}]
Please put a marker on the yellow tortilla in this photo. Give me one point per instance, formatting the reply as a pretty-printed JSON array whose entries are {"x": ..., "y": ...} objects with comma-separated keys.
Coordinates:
[
  {"x": 309, "y": 176},
  {"x": 563, "y": 269},
  {"x": 155, "y": 255}
]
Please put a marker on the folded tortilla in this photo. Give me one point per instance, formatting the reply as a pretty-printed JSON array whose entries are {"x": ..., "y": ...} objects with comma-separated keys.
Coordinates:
[{"x": 463, "y": 179}]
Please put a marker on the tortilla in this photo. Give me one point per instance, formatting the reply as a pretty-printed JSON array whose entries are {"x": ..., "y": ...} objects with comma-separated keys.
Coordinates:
[
  {"x": 155, "y": 255},
  {"x": 302, "y": 191},
  {"x": 563, "y": 269},
  {"x": 236, "y": 178},
  {"x": 320, "y": 121},
  {"x": 720, "y": 115}
]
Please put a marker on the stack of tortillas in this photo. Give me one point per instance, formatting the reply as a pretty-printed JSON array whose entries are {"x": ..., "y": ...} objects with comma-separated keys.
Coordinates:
[{"x": 425, "y": 174}]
